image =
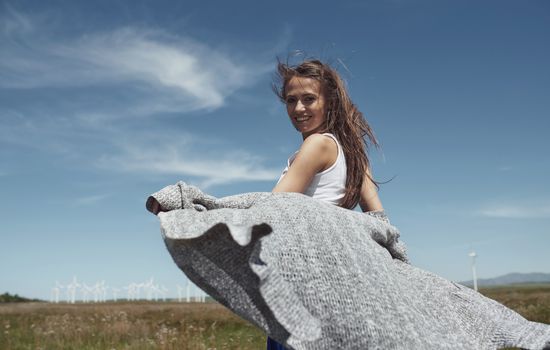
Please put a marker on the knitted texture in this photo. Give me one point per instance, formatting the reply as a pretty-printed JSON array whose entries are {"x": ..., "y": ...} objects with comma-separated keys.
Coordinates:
[{"x": 314, "y": 276}]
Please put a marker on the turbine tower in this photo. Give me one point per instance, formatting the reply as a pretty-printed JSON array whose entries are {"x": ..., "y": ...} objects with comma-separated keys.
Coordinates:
[
  {"x": 55, "y": 292},
  {"x": 115, "y": 293},
  {"x": 149, "y": 289},
  {"x": 163, "y": 292},
  {"x": 132, "y": 291},
  {"x": 473, "y": 255},
  {"x": 71, "y": 290},
  {"x": 85, "y": 291},
  {"x": 102, "y": 292}
]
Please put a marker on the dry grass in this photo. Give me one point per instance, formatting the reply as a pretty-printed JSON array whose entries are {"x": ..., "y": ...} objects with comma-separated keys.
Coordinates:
[
  {"x": 532, "y": 301},
  {"x": 138, "y": 325},
  {"x": 149, "y": 325}
]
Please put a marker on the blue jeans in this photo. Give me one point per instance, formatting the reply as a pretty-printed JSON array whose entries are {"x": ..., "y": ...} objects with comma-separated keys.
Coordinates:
[{"x": 272, "y": 344}]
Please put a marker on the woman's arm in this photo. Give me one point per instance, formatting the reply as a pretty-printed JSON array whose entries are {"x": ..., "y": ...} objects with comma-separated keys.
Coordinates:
[
  {"x": 316, "y": 154},
  {"x": 369, "y": 200}
]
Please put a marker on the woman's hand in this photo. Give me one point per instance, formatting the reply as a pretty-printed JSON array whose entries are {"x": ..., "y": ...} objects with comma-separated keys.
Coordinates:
[{"x": 155, "y": 206}]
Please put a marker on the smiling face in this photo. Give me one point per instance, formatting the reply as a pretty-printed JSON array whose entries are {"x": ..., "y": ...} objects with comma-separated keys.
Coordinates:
[{"x": 305, "y": 105}]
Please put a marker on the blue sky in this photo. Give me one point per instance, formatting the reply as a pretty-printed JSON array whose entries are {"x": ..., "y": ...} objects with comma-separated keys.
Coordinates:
[{"x": 105, "y": 102}]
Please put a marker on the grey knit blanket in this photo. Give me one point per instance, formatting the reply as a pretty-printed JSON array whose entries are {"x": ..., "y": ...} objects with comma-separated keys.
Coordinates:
[{"x": 316, "y": 276}]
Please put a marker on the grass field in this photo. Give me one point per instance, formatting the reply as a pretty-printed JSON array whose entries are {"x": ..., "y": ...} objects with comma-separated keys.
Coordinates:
[
  {"x": 171, "y": 325},
  {"x": 532, "y": 301},
  {"x": 136, "y": 325}
]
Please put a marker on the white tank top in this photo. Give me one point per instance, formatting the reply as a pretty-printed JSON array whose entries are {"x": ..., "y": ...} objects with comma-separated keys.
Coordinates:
[{"x": 330, "y": 184}]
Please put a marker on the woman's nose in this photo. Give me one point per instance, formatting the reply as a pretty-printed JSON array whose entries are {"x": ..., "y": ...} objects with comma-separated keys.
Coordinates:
[{"x": 299, "y": 106}]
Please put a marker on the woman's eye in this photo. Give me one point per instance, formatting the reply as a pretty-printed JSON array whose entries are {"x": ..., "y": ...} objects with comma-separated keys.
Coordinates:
[
  {"x": 310, "y": 99},
  {"x": 290, "y": 100}
]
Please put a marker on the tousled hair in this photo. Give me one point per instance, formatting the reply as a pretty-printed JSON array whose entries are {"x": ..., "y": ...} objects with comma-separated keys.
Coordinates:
[{"x": 342, "y": 119}]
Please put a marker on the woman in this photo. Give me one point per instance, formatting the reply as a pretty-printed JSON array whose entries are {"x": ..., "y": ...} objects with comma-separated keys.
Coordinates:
[{"x": 332, "y": 163}]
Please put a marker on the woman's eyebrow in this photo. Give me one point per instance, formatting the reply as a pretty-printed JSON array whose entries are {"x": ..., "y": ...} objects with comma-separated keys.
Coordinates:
[{"x": 304, "y": 94}]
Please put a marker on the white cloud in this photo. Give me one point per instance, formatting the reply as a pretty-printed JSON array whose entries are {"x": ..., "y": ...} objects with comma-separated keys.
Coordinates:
[
  {"x": 87, "y": 88},
  {"x": 149, "y": 70},
  {"x": 182, "y": 159},
  {"x": 514, "y": 211}
]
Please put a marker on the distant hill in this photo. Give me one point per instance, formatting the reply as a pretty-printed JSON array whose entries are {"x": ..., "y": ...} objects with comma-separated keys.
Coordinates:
[
  {"x": 9, "y": 298},
  {"x": 511, "y": 278}
]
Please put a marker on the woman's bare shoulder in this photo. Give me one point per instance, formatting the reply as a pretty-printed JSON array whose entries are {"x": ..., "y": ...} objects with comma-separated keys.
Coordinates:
[
  {"x": 313, "y": 157},
  {"x": 323, "y": 147}
]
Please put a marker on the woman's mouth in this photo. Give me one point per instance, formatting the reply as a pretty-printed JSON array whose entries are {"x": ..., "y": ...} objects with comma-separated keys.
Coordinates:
[{"x": 302, "y": 119}]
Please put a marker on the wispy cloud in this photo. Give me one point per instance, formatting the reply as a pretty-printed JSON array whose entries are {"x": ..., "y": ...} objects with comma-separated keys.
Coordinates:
[
  {"x": 143, "y": 152},
  {"x": 89, "y": 200},
  {"x": 514, "y": 211},
  {"x": 183, "y": 157},
  {"x": 82, "y": 90},
  {"x": 132, "y": 70},
  {"x": 13, "y": 22}
]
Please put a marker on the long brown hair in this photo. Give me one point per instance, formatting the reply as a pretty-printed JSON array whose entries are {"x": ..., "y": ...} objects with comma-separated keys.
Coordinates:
[{"x": 343, "y": 119}]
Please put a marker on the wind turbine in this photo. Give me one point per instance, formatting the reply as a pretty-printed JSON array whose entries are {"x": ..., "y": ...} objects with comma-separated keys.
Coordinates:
[
  {"x": 71, "y": 290},
  {"x": 85, "y": 291},
  {"x": 155, "y": 290},
  {"x": 55, "y": 292},
  {"x": 96, "y": 291},
  {"x": 199, "y": 295},
  {"x": 163, "y": 292},
  {"x": 137, "y": 290},
  {"x": 149, "y": 289},
  {"x": 102, "y": 291},
  {"x": 131, "y": 288},
  {"x": 115, "y": 293},
  {"x": 473, "y": 255}
]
